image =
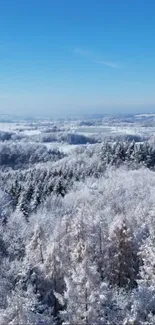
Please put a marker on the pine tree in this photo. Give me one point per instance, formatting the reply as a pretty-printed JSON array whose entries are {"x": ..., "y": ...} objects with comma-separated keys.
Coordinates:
[
  {"x": 147, "y": 254},
  {"x": 123, "y": 258}
]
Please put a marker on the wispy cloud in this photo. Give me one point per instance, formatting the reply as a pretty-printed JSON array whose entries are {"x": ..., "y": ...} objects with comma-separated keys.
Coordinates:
[
  {"x": 107, "y": 63},
  {"x": 82, "y": 52},
  {"x": 94, "y": 59}
]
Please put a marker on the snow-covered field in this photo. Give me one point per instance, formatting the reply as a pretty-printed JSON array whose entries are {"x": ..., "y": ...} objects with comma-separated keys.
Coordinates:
[{"x": 69, "y": 134}]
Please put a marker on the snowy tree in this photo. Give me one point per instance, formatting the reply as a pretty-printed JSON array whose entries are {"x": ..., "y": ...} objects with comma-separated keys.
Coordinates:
[{"x": 123, "y": 259}]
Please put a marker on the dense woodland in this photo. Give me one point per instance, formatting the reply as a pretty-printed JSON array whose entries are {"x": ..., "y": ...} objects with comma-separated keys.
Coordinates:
[{"x": 77, "y": 234}]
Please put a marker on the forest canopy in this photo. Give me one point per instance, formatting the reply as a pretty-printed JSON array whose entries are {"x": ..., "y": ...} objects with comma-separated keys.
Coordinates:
[{"x": 77, "y": 233}]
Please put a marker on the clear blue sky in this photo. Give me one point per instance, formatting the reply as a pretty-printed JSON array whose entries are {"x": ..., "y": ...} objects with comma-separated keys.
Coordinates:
[{"x": 60, "y": 57}]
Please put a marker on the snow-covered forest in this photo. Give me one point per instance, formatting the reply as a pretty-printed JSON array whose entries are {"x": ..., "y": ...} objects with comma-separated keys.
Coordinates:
[{"x": 77, "y": 226}]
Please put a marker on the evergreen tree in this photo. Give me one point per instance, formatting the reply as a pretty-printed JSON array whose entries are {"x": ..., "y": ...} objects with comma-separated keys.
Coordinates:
[{"x": 123, "y": 258}]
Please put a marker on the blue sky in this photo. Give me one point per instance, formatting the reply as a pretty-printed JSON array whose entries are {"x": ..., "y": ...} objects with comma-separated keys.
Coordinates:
[{"x": 71, "y": 57}]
